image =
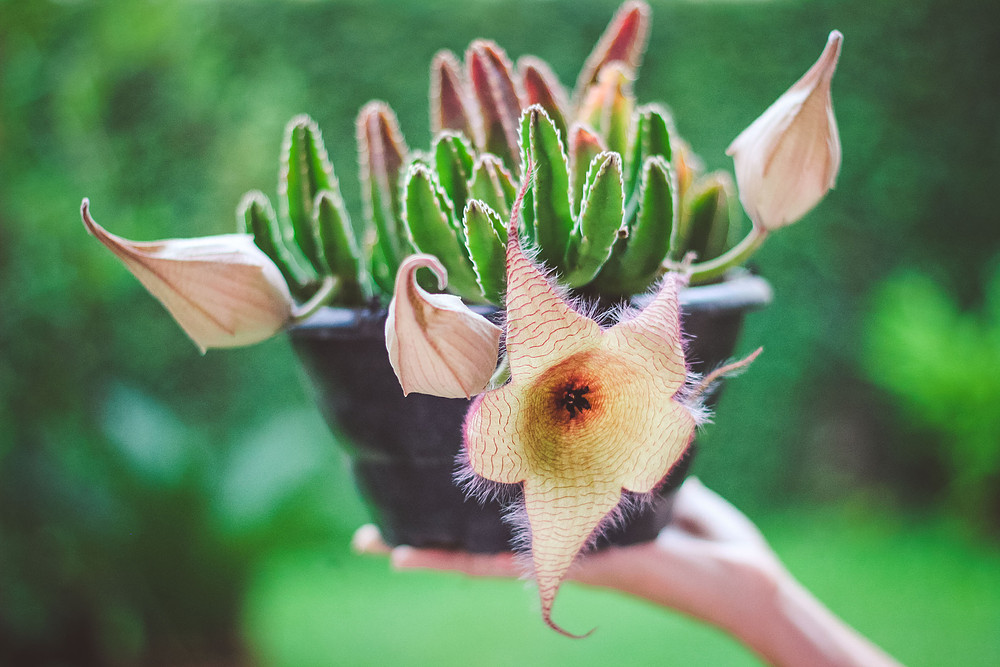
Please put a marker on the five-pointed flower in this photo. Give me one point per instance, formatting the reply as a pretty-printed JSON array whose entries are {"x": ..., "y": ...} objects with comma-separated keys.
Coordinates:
[{"x": 588, "y": 413}]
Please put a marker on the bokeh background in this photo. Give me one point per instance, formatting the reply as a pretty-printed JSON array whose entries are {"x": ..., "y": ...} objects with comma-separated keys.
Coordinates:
[{"x": 160, "y": 507}]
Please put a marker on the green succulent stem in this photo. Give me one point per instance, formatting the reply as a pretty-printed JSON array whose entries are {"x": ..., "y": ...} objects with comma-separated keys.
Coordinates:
[
  {"x": 704, "y": 271},
  {"x": 327, "y": 290}
]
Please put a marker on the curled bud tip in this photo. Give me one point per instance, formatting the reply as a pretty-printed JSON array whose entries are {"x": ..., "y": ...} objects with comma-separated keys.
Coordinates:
[
  {"x": 222, "y": 290},
  {"x": 436, "y": 344}
]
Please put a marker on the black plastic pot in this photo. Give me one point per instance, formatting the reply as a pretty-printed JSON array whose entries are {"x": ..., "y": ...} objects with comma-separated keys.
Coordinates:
[{"x": 403, "y": 449}]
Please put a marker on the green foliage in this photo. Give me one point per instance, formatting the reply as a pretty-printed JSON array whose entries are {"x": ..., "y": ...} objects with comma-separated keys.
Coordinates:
[
  {"x": 940, "y": 364},
  {"x": 162, "y": 112},
  {"x": 599, "y": 222},
  {"x": 581, "y": 210}
]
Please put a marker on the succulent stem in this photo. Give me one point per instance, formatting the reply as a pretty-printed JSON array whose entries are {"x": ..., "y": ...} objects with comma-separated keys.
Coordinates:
[
  {"x": 327, "y": 290},
  {"x": 704, "y": 271}
]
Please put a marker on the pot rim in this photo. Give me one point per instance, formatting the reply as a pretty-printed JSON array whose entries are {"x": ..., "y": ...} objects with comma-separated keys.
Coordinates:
[{"x": 740, "y": 291}]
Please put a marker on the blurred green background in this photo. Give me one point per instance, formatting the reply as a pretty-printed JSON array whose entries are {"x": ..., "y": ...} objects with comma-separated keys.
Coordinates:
[{"x": 159, "y": 507}]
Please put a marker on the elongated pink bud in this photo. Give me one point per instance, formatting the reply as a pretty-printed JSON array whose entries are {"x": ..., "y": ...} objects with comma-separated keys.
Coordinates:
[
  {"x": 542, "y": 87},
  {"x": 624, "y": 40},
  {"x": 451, "y": 99},
  {"x": 222, "y": 290},
  {"x": 788, "y": 159},
  {"x": 436, "y": 344},
  {"x": 499, "y": 97}
]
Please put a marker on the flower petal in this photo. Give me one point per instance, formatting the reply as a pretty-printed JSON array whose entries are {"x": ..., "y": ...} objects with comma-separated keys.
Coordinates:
[
  {"x": 436, "y": 344},
  {"x": 222, "y": 290}
]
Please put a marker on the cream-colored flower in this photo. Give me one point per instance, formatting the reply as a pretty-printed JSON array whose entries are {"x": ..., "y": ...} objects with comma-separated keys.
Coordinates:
[
  {"x": 788, "y": 159},
  {"x": 222, "y": 290},
  {"x": 436, "y": 344}
]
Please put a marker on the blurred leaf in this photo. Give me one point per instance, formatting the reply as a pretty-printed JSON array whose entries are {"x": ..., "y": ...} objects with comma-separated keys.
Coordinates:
[{"x": 153, "y": 442}]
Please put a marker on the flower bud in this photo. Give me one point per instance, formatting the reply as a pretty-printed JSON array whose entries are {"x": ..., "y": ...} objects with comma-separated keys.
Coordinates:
[
  {"x": 436, "y": 344},
  {"x": 788, "y": 159},
  {"x": 222, "y": 290}
]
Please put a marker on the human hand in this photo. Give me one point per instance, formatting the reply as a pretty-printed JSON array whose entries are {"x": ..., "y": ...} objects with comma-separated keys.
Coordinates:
[{"x": 711, "y": 562}]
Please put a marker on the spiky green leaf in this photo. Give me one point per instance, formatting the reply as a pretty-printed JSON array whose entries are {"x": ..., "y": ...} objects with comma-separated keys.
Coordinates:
[
  {"x": 651, "y": 132},
  {"x": 305, "y": 170},
  {"x": 256, "y": 216},
  {"x": 453, "y": 163},
  {"x": 601, "y": 218},
  {"x": 553, "y": 218},
  {"x": 486, "y": 237},
  {"x": 492, "y": 184},
  {"x": 708, "y": 219},
  {"x": 635, "y": 262},
  {"x": 340, "y": 248},
  {"x": 432, "y": 232}
]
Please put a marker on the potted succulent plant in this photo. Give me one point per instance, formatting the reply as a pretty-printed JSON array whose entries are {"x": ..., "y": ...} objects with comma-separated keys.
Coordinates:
[{"x": 566, "y": 229}]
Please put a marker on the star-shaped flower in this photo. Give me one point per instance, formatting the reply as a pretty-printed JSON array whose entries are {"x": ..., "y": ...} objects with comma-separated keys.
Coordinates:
[{"x": 589, "y": 412}]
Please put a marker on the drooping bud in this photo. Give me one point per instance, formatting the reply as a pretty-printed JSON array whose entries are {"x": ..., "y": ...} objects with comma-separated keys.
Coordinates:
[
  {"x": 436, "y": 344},
  {"x": 222, "y": 290},
  {"x": 787, "y": 160}
]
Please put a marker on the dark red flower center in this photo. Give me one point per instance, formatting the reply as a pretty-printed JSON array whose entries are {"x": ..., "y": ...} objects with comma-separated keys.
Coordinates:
[{"x": 574, "y": 399}]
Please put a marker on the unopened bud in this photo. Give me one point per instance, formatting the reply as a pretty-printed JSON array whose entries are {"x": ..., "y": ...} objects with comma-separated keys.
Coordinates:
[
  {"x": 436, "y": 344},
  {"x": 222, "y": 290},
  {"x": 788, "y": 159}
]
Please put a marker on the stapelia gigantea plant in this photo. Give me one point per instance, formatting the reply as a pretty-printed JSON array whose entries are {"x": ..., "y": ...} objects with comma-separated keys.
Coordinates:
[{"x": 527, "y": 193}]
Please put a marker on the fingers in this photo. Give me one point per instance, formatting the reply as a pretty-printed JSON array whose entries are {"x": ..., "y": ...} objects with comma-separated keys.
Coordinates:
[
  {"x": 703, "y": 513},
  {"x": 474, "y": 565},
  {"x": 368, "y": 540}
]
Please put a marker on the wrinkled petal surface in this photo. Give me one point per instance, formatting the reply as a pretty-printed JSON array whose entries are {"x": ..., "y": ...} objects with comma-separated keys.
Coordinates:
[{"x": 587, "y": 413}]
